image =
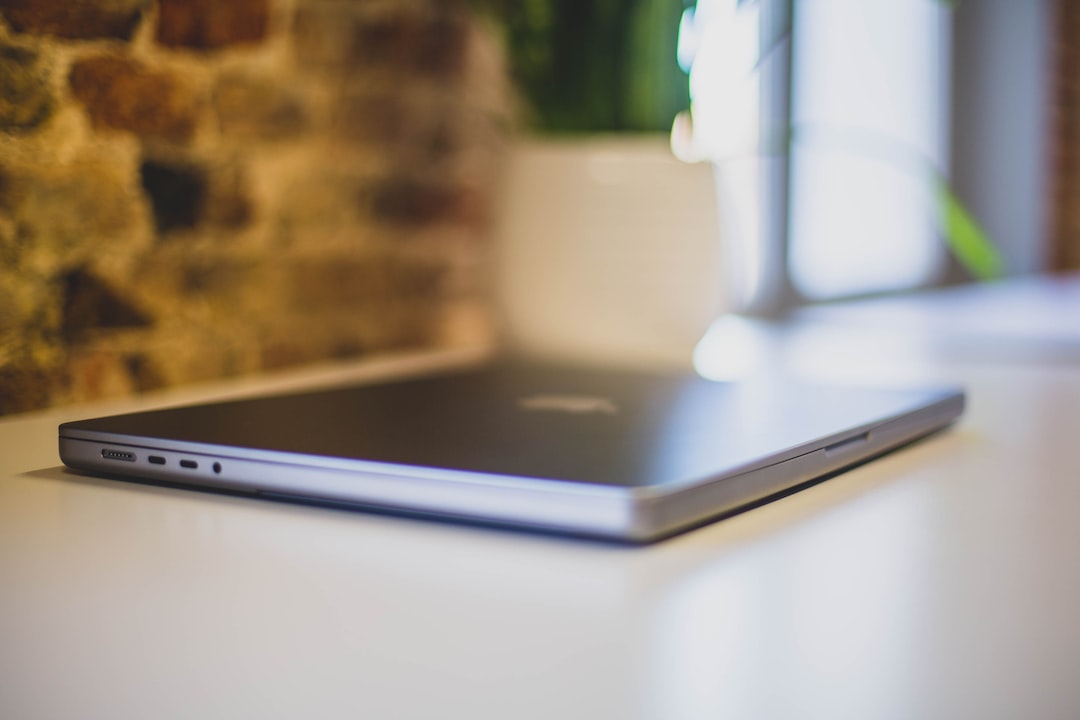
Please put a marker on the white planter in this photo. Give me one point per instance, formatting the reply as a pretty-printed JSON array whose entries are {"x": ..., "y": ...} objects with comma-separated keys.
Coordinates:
[{"x": 608, "y": 250}]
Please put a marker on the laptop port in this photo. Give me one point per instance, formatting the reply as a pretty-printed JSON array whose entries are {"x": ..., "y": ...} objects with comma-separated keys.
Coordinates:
[
  {"x": 124, "y": 455},
  {"x": 189, "y": 464}
]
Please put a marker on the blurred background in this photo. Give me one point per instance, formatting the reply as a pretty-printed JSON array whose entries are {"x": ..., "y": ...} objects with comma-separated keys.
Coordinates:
[{"x": 192, "y": 189}]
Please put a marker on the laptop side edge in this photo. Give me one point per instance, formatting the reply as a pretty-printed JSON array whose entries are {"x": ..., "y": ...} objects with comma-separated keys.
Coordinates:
[{"x": 661, "y": 515}]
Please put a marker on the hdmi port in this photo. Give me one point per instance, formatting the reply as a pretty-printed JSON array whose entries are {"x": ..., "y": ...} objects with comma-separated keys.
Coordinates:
[{"x": 118, "y": 455}]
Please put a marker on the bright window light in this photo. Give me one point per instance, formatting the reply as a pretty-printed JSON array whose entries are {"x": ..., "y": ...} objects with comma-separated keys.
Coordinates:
[{"x": 869, "y": 115}]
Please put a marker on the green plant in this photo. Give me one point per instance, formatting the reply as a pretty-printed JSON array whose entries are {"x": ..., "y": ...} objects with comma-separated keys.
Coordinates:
[{"x": 594, "y": 66}]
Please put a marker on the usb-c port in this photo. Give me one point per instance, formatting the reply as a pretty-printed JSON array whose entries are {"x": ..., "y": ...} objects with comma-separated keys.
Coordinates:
[
  {"x": 156, "y": 460},
  {"x": 189, "y": 464}
]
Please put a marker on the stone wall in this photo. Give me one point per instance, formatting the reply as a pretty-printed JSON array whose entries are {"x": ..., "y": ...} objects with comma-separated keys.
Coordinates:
[{"x": 192, "y": 189}]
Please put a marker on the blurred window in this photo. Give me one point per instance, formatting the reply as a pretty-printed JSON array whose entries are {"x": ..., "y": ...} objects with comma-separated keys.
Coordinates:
[
  {"x": 865, "y": 92},
  {"x": 869, "y": 129}
]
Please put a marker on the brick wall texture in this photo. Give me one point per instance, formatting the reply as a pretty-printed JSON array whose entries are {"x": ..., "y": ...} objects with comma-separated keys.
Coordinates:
[
  {"x": 1065, "y": 198},
  {"x": 192, "y": 189}
]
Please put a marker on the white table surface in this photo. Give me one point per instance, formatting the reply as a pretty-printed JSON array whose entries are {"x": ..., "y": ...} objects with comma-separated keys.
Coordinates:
[{"x": 942, "y": 580}]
